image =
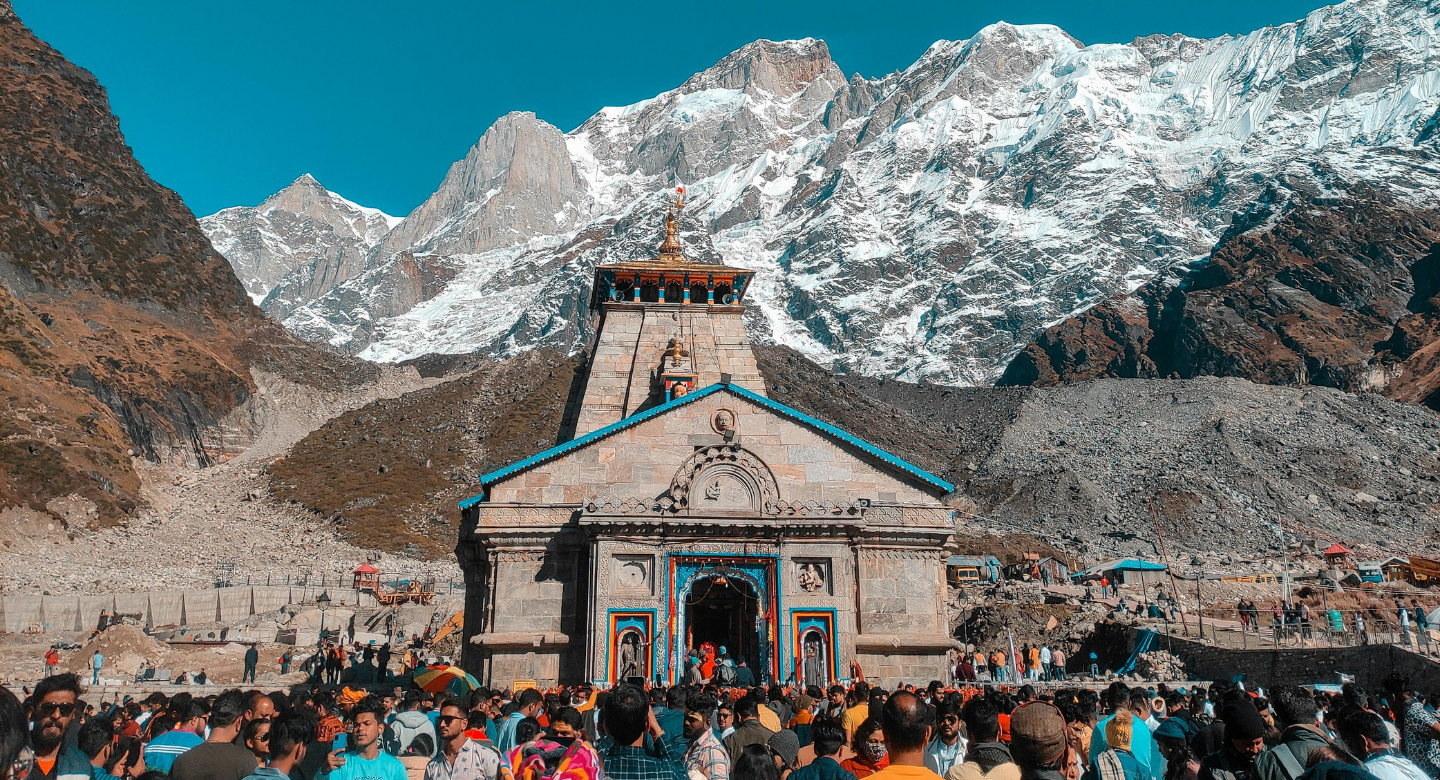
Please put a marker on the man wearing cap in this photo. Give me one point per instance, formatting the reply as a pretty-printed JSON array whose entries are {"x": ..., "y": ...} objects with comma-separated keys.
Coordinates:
[
  {"x": 906, "y": 727},
  {"x": 787, "y": 746},
  {"x": 1244, "y": 738},
  {"x": 1173, "y": 739},
  {"x": 1037, "y": 740}
]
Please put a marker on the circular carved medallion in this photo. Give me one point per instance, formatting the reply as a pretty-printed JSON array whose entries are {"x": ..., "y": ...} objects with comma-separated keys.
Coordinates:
[
  {"x": 631, "y": 574},
  {"x": 723, "y": 421}
]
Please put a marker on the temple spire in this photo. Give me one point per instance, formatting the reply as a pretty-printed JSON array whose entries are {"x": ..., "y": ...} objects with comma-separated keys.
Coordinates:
[{"x": 670, "y": 247}]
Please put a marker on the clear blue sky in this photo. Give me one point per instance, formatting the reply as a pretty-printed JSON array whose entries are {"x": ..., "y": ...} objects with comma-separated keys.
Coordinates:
[{"x": 226, "y": 102}]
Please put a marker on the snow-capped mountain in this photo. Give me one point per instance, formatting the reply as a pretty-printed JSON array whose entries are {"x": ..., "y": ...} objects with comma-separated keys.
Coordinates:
[
  {"x": 922, "y": 225},
  {"x": 297, "y": 244}
]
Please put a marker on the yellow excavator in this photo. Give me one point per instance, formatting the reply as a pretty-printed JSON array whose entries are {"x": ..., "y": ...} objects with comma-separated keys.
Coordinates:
[{"x": 454, "y": 624}]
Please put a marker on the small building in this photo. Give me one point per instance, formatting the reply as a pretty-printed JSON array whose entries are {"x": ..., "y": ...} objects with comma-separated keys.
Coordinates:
[
  {"x": 1034, "y": 568},
  {"x": 961, "y": 570},
  {"x": 1124, "y": 571},
  {"x": 367, "y": 577},
  {"x": 1394, "y": 568},
  {"x": 1338, "y": 554}
]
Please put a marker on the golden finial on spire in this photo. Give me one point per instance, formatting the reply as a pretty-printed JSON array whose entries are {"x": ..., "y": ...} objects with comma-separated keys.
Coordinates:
[{"x": 670, "y": 248}]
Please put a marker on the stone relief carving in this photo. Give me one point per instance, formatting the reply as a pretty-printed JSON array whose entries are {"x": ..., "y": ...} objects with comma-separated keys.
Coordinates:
[
  {"x": 812, "y": 576},
  {"x": 909, "y": 515},
  {"x": 518, "y": 516},
  {"x": 723, "y": 421},
  {"x": 724, "y": 477},
  {"x": 633, "y": 572},
  {"x": 854, "y": 509}
]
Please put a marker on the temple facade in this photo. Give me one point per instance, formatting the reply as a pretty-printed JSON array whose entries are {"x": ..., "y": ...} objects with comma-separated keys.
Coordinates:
[{"x": 691, "y": 511}]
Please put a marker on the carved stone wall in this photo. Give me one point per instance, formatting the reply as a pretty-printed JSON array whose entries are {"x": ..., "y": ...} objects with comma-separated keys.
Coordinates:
[
  {"x": 529, "y": 591},
  {"x": 631, "y": 345},
  {"x": 901, "y": 591},
  {"x": 838, "y": 595},
  {"x": 891, "y": 668},
  {"x": 615, "y": 591},
  {"x": 641, "y": 462}
]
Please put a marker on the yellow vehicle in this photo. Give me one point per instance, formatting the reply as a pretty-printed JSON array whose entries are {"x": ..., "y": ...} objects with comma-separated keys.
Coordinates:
[{"x": 455, "y": 623}]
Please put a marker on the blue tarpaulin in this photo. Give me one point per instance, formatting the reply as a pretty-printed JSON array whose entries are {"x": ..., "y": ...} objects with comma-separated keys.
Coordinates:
[{"x": 1144, "y": 643}]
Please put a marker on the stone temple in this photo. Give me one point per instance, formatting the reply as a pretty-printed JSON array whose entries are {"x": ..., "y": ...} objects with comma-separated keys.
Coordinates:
[{"x": 691, "y": 510}]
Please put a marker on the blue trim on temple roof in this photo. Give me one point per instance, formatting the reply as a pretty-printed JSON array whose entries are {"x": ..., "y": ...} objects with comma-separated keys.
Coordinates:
[
  {"x": 854, "y": 441},
  {"x": 775, "y": 406}
]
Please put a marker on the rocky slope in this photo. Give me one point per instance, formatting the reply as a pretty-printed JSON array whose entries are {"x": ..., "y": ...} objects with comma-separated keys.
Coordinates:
[
  {"x": 122, "y": 332},
  {"x": 228, "y": 505},
  {"x": 1077, "y": 467},
  {"x": 389, "y": 473},
  {"x": 297, "y": 244},
  {"x": 923, "y": 224},
  {"x": 1301, "y": 291}
]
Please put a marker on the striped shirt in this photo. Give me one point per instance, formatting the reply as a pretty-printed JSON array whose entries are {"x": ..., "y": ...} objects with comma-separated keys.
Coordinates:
[
  {"x": 708, "y": 757},
  {"x": 474, "y": 761},
  {"x": 163, "y": 750}
]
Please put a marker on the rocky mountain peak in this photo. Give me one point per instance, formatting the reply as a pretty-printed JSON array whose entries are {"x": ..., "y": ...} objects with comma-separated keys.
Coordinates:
[
  {"x": 780, "y": 68},
  {"x": 517, "y": 181},
  {"x": 125, "y": 333},
  {"x": 308, "y": 196},
  {"x": 923, "y": 224},
  {"x": 297, "y": 243}
]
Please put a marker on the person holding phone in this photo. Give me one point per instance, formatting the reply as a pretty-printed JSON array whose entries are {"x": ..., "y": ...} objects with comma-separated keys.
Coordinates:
[{"x": 359, "y": 757}]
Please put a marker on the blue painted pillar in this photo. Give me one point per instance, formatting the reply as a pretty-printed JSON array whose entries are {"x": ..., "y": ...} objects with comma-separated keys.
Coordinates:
[{"x": 710, "y": 295}]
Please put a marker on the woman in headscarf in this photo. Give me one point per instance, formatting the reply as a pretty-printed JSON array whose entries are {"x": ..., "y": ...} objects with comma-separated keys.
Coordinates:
[{"x": 870, "y": 753}]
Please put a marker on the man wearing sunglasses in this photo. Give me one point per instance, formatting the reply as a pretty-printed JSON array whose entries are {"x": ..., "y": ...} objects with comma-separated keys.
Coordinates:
[
  {"x": 461, "y": 758},
  {"x": 705, "y": 756},
  {"x": 947, "y": 747},
  {"x": 55, "y": 699}
]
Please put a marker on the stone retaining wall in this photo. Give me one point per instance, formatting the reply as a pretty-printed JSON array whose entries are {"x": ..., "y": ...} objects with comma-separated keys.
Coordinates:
[
  {"x": 1370, "y": 664},
  {"x": 166, "y": 609}
]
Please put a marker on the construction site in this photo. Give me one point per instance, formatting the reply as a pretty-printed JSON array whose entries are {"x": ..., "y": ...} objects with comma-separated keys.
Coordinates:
[{"x": 157, "y": 639}]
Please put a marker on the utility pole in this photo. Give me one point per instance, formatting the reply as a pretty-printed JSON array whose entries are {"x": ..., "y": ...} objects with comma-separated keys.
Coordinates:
[
  {"x": 1168, "y": 569},
  {"x": 1200, "y": 602}
]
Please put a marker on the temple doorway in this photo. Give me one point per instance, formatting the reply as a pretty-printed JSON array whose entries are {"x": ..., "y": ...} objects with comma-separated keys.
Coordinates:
[{"x": 724, "y": 612}]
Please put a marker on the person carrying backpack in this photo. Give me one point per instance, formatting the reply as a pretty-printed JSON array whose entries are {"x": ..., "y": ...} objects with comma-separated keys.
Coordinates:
[
  {"x": 1299, "y": 735},
  {"x": 725, "y": 673}
]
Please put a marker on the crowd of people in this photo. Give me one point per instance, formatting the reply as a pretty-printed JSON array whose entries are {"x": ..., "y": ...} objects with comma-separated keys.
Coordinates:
[
  {"x": 710, "y": 732},
  {"x": 1031, "y": 662}
]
